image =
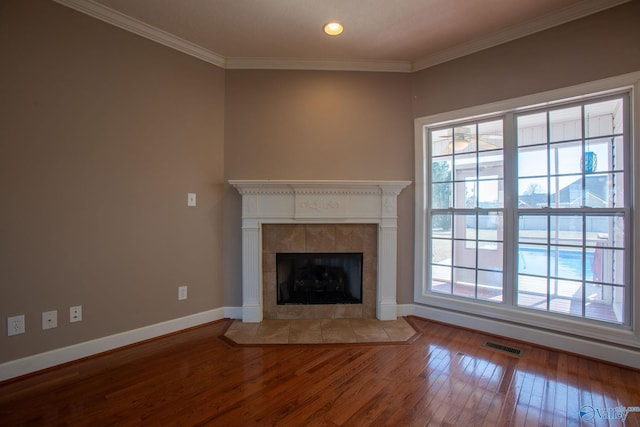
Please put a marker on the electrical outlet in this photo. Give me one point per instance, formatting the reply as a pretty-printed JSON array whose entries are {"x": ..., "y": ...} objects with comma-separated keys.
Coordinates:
[
  {"x": 49, "y": 319},
  {"x": 75, "y": 313},
  {"x": 182, "y": 293},
  {"x": 15, "y": 325}
]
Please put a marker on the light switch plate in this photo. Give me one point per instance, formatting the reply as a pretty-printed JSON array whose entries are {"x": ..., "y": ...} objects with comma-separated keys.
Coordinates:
[{"x": 191, "y": 199}]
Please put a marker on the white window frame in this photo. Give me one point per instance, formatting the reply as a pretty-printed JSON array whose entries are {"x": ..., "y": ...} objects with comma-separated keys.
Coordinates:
[{"x": 628, "y": 335}]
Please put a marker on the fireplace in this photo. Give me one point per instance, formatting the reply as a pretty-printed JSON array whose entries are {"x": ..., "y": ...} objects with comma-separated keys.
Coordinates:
[
  {"x": 297, "y": 203},
  {"x": 319, "y": 278},
  {"x": 318, "y": 248}
]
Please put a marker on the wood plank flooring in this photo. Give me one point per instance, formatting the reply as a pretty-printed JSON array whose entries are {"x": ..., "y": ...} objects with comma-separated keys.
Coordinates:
[{"x": 445, "y": 377}]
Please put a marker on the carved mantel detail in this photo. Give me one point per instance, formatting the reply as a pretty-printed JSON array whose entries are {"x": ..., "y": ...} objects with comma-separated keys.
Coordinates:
[
  {"x": 319, "y": 204},
  {"x": 290, "y": 202}
]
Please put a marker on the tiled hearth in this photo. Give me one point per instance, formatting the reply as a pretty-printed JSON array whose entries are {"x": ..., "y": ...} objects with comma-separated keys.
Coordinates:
[
  {"x": 319, "y": 238},
  {"x": 321, "y": 331}
]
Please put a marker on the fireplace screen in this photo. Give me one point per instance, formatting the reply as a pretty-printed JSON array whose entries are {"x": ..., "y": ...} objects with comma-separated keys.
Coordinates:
[{"x": 319, "y": 278}]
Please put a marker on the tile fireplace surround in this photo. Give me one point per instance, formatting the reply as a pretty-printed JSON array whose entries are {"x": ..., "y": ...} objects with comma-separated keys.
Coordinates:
[
  {"x": 319, "y": 238},
  {"x": 318, "y": 202}
]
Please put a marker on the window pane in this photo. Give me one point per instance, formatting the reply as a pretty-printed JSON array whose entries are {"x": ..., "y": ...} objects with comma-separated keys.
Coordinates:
[
  {"x": 562, "y": 288},
  {"x": 490, "y": 164},
  {"x": 466, "y": 194},
  {"x": 605, "y": 231},
  {"x": 532, "y": 229},
  {"x": 566, "y": 297},
  {"x": 565, "y": 124},
  {"x": 597, "y": 190},
  {"x": 532, "y": 260},
  {"x": 490, "y": 256},
  {"x": 603, "y": 191},
  {"x": 604, "y": 118},
  {"x": 532, "y": 292},
  {"x": 441, "y": 196},
  {"x": 603, "y": 155},
  {"x": 466, "y": 165},
  {"x": 441, "y": 251},
  {"x": 464, "y": 282},
  {"x": 441, "y": 169},
  {"x": 532, "y": 161},
  {"x": 490, "y": 286},
  {"x": 532, "y": 193},
  {"x": 532, "y": 129},
  {"x": 490, "y": 226},
  {"x": 441, "y": 142},
  {"x": 490, "y": 135},
  {"x": 565, "y": 158},
  {"x": 565, "y": 229},
  {"x": 490, "y": 194},
  {"x": 606, "y": 266},
  {"x": 566, "y": 191},
  {"x": 464, "y": 139},
  {"x": 462, "y": 256},
  {"x": 441, "y": 225},
  {"x": 441, "y": 279},
  {"x": 605, "y": 303},
  {"x": 565, "y": 262},
  {"x": 464, "y": 227}
]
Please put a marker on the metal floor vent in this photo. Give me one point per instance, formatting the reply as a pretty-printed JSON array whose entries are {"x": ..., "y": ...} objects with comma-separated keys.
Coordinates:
[{"x": 510, "y": 350}]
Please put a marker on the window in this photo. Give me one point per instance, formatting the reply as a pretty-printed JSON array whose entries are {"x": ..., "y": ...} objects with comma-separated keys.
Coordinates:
[
  {"x": 466, "y": 210},
  {"x": 525, "y": 213},
  {"x": 572, "y": 211}
]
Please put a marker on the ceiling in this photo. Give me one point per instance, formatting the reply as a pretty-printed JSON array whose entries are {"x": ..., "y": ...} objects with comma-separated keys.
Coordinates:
[{"x": 379, "y": 35}]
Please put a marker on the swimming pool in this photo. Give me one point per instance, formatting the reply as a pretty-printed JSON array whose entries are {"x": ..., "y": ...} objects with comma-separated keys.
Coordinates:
[{"x": 566, "y": 264}]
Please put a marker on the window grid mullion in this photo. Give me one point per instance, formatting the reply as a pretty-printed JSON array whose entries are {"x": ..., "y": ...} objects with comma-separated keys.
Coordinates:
[
  {"x": 548, "y": 249},
  {"x": 584, "y": 264},
  {"x": 548, "y": 146},
  {"x": 510, "y": 233},
  {"x": 549, "y": 192}
]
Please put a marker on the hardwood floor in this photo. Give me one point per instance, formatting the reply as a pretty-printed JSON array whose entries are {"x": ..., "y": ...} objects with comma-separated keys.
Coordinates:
[{"x": 443, "y": 378}]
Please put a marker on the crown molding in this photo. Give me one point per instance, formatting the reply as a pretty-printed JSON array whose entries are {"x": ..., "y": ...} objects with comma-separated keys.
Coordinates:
[
  {"x": 111, "y": 16},
  {"x": 140, "y": 28},
  {"x": 318, "y": 64},
  {"x": 514, "y": 32}
]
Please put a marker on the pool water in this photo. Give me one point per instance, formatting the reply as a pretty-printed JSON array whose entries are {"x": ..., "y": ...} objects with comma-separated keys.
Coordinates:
[{"x": 569, "y": 263}]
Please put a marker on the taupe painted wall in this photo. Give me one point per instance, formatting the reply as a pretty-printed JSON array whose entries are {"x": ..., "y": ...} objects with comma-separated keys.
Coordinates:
[
  {"x": 102, "y": 135},
  {"x": 595, "y": 47},
  {"x": 317, "y": 125}
]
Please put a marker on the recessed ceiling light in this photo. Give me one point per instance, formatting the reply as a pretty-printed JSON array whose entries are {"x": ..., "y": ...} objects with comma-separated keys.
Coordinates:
[{"x": 333, "y": 28}]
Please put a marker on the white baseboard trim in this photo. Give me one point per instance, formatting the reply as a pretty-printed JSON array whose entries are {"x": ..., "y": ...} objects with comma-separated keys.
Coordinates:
[
  {"x": 233, "y": 312},
  {"x": 595, "y": 349},
  {"x": 37, "y": 362}
]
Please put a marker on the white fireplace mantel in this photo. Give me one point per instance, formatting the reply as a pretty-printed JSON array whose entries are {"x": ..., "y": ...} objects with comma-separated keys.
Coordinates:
[{"x": 304, "y": 202}]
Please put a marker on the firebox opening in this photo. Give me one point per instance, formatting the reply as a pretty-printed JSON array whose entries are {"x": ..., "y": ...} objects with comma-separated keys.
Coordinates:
[{"x": 319, "y": 278}]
